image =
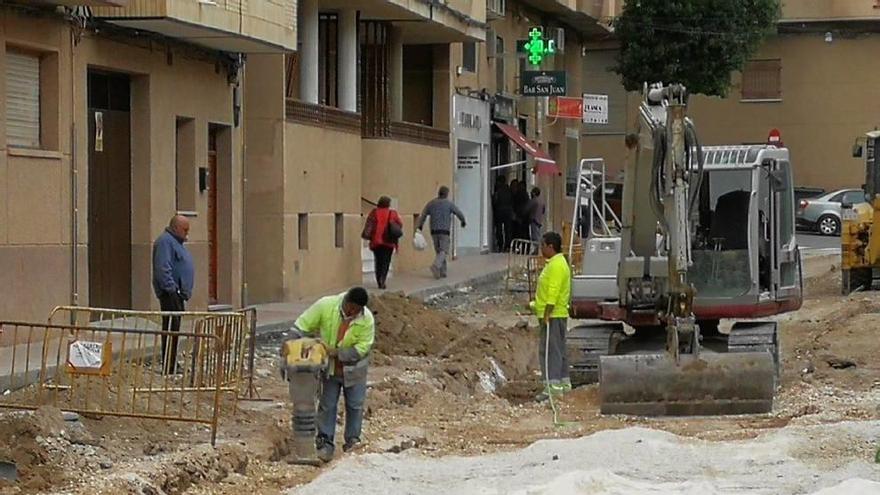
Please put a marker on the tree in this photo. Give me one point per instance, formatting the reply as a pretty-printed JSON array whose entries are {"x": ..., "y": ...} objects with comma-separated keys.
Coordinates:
[{"x": 698, "y": 43}]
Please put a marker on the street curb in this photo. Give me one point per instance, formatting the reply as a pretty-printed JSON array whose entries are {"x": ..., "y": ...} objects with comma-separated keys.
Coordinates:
[
  {"x": 420, "y": 294},
  {"x": 432, "y": 292}
]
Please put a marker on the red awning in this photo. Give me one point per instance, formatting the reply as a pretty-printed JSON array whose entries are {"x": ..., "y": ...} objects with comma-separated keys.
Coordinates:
[{"x": 544, "y": 164}]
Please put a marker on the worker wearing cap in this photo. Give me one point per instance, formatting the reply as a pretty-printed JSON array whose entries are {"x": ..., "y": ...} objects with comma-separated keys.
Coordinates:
[
  {"x": 552, "y": 299},
  {"x": 345, "y": 325}
]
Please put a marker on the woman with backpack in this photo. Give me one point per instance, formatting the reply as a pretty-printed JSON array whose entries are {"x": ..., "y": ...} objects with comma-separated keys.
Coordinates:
[{"x": 383, "y": 229}]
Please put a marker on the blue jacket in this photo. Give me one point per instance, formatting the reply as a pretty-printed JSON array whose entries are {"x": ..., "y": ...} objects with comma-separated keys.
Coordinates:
[{"x": 172, "y": 266}]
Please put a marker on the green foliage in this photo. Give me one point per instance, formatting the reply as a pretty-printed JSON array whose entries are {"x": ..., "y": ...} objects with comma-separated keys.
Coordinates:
[{"x": 698, "y": 43}]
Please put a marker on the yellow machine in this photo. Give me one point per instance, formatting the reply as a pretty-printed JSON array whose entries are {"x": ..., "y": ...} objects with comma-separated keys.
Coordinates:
[
  {"x": 859, "y": 238},
  {"x": 303, "y": 361}
]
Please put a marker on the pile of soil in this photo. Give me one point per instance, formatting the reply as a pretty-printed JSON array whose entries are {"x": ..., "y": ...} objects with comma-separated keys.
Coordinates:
[
  {"x": 25, "y": 442},
  {"x": 464, "y": 358}
]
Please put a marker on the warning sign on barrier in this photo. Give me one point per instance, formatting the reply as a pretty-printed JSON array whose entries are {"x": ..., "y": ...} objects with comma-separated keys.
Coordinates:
[{"x": 89, "y": 358}]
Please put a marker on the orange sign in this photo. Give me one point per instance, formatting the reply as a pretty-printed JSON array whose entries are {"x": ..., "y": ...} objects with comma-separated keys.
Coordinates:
[{"x": 566, "y": 107}]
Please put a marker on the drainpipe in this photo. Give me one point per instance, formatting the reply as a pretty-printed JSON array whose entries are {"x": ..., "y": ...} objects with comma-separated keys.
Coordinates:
[
  {"x": 244, "y": 182},
  {"x": 74, "y": 200}
]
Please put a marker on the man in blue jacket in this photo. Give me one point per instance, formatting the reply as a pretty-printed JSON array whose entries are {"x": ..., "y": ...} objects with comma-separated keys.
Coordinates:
[{"x": 173, "y": 274}]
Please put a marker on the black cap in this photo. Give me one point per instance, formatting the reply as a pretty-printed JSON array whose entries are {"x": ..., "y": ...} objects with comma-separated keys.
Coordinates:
[{"x": 357, "y": 295}]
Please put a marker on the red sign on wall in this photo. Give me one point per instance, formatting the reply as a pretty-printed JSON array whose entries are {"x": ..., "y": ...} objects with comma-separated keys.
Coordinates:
[{"x": 565, "y": 107}]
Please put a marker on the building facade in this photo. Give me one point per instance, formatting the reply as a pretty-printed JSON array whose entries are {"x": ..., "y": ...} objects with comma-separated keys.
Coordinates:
[
  {"x": 810, "y": 81},
  {"x": 118, "y": 115},
  {"x": 362, "y": 110},
  {"x": 491, "y": 72}
]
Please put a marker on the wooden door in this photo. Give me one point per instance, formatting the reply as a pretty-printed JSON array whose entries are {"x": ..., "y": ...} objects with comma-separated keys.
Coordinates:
[
  {"x": 109, "y": 191},
  {"x": 213, "y": 255}
]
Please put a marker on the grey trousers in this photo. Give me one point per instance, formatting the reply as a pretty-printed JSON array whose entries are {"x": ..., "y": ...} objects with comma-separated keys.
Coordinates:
[
  {"x": 557, "y": 361},
  {"x": 441, "y": 247}
]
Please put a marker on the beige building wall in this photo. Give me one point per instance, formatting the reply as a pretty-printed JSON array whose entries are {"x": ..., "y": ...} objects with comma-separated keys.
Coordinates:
[
  {"x": 411, "y": 174},
  {"x": 827, "y": 103},
  {"x": 322, "y": 179},
  {"x": 35, "y": 234},
  {"x": 36, "y": 201},
  {"x": 161, "y": 93},
  {"x": 512, "y": 27}
]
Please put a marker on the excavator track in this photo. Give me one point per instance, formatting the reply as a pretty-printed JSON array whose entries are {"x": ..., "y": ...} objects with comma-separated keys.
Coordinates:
[
  {"x": 742, "y": 380},
  {"x": 757, "y": 336},
  {"x": 585, "y": 345}
]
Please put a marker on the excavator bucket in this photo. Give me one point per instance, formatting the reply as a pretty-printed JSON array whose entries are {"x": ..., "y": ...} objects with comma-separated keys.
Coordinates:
[{"x": 711, "y": 384}]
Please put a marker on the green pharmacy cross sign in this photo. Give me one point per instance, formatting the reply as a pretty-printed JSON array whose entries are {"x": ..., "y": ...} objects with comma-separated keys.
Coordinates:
[{"x": 537, "y": 47}]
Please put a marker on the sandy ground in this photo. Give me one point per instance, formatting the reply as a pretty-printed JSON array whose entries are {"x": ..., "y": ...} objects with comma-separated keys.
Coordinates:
[{"x": 451, "y": 386}]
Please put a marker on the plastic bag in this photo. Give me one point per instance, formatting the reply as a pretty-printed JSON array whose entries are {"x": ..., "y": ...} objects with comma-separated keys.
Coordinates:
[{"x": 419, "y": 242}]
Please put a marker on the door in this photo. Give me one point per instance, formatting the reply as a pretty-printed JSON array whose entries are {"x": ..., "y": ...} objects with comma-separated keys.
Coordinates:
[
  {"x": 213, "y": 261},
  {"x": 109, "y": 190},
  {"x": 468, "y": 195}
]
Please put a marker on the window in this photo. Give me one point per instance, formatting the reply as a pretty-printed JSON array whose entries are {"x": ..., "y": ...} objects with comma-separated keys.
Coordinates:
[
  {"x": 185, "y": 164},
  {"x": 328, "y": 60},
  {"x": 854, "y": 197},
  {"x": 469, "y": 57},
  {"x": 500, "y": 80},
  {"x": 303, "y": 231},
  {"x": 23, "y": 100},
  {"x": 762, "y": 80},
  {"x": 340, "y": 230}
]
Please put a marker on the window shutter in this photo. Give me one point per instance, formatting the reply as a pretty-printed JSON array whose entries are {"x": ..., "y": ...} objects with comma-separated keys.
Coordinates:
[
  {"x": 22, "y": 100},
  {"x": 762, "y": 80}
]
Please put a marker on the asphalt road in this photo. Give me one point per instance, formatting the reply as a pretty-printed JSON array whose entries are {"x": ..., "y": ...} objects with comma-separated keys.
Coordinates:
[{"x": 811, "y": 241}]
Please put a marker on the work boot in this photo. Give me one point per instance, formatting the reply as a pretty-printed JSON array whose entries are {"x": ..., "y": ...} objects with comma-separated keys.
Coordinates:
[
  {"x": 351, "y": 444},
  {"x": 324, "y": 449},
  {"x": 566, "y": 385}
]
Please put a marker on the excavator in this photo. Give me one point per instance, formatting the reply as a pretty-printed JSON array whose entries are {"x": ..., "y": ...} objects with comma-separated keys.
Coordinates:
[
  {"x": 859, "y": 240},
  {"x": 706, "y": 234}
]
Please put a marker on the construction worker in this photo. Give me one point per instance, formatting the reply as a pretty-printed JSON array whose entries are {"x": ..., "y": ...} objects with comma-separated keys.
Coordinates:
[
  {"x": 551, "y": 303},
  {"x": 345, "y": 325}
]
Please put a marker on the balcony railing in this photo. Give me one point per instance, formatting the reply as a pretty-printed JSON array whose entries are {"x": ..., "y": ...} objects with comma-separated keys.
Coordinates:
[
  {"x": 321, "y": 116},
  {"x": 419, "y": 134}
]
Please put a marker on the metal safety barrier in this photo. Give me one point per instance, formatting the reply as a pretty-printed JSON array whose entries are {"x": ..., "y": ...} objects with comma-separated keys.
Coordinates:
[
  {"x": 521, "y": 266},
  {"x": 177, "y": 366},
  {"x": 525, "y": 262},
  {"x": 118, "y": 371}
]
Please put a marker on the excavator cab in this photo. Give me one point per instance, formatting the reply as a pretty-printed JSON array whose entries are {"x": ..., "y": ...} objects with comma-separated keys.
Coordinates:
[
  {"x": 707, "y": 233},
  {"x": 859, "y": 242}
]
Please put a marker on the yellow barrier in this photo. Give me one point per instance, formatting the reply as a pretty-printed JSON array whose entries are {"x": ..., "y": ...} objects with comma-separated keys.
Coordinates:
[{"x": 123, "y": 363}]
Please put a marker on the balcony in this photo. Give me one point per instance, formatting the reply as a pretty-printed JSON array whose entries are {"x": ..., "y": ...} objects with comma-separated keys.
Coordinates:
[
  {"x": 423, "y": 21},
  {"x": 87, "y": 3},
  {"x": 582, "y": 16},
  {"x": 322, "y": 116},
  {"x": 824, "y": 11},
  {"x": 225, "y": 25}
]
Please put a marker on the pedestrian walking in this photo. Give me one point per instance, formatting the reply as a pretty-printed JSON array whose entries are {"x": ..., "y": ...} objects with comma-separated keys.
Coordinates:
[
  {"x": 173, "y": 275},
  {"x": 502, "y": 214},
  {"x": 535, "y": 215},
  {"x": 346, "y": 327},
  {"x": 440, "y": 209},
  {"x": 552, "y": 299},
  {"x": 383, "y": 229}
]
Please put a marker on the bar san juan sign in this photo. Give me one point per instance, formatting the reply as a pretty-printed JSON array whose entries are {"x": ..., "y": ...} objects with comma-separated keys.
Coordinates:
[{"x": 543, "y": 83}]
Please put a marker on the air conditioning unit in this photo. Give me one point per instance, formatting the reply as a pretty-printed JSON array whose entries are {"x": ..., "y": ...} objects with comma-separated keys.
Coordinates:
[
  {"x": 495, "y": 9},
  {"x": 491, "y": 43},
  {"x": 557, "y": 35}
]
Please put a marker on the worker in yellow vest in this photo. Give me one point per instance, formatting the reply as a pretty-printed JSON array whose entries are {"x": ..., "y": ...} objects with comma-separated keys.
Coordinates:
[{"x": 552, "y": 299}]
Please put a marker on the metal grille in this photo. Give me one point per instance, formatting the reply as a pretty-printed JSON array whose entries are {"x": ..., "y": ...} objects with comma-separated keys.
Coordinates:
[
  {"x": 762, "y": 80},
  {"x": 375, "y": 84}
]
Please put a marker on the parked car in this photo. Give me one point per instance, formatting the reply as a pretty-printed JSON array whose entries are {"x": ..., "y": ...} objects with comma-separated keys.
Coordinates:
[{"x": 822, "y": 213}]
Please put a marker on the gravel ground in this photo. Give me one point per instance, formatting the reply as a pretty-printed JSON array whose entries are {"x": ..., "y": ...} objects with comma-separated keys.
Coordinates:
[{"x": 828, "y": 459}]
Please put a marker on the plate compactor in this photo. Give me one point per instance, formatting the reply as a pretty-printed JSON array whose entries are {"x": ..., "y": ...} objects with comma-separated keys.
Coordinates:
[{"x": 303, "y": 362}]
